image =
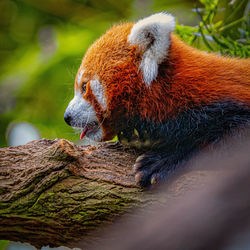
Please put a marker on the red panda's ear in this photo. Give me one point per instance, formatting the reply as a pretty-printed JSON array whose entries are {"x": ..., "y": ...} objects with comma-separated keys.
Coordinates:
[{"x": 152, "y": 35}]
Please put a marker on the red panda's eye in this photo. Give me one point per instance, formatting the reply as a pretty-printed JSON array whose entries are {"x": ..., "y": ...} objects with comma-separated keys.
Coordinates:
[{"x": 84, "y": 87}]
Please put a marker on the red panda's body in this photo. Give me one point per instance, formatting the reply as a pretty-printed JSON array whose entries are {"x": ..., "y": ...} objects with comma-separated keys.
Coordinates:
[{"x": 138, "y": 77}]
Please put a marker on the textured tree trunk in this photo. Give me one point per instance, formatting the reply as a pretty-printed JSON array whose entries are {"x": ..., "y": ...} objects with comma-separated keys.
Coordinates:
[{"x": 53, "y": 192}]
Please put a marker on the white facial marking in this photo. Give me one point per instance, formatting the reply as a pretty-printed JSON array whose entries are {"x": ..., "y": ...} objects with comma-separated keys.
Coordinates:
[
  {"x": 79, "y": 77},
  {"x": 152, "y": 35},
  {"x": 80, "y": 109},
  {"x": 83, "y": 114},
  {"x": 98, "y": 91}
]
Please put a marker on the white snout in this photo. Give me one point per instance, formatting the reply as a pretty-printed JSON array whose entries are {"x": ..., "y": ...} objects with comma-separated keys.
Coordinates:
[{"x": 82, "y": 115}]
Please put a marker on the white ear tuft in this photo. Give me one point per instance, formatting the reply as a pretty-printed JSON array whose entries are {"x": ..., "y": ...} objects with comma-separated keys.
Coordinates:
[{"x": 152, "y": 35}]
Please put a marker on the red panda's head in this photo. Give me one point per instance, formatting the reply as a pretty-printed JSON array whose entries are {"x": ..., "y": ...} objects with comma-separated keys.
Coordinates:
[{"x": 115, "y": 77}]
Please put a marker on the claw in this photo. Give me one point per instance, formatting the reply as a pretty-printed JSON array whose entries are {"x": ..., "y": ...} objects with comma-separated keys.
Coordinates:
[
  {"x": 139, "y": 158},
  {"x": 138, "y": 177},
  {"x": 153, "y": 180},
  {"x": 136, "y": 166}
]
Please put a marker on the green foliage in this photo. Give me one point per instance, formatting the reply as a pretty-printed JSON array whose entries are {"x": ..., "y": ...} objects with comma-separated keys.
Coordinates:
[
  {"x": 225, "y": 28},
  {"x": 4, "y": 244}
]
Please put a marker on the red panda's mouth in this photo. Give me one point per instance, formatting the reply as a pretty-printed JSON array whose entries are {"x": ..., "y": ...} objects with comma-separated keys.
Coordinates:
[
  {"x": 83, "y": 133},
  {"x": 89, "y": 129}
]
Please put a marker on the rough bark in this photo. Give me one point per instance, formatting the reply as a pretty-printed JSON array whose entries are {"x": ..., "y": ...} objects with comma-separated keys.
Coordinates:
[{"x": 53, "y": 192}]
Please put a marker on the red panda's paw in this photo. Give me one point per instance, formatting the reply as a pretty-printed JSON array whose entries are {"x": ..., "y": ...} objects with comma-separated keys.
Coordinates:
[{"x": 151, "y": 168}]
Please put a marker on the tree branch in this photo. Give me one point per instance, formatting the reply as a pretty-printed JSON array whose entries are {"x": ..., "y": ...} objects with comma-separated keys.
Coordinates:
[{"x": 53, "y": 192}]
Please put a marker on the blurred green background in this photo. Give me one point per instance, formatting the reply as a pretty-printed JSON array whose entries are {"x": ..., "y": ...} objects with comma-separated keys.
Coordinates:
[{"x": 42, "y": 43}]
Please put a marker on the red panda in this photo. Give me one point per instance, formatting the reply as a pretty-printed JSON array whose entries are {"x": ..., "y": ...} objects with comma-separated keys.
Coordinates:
[{"x": 142, "y": 83}]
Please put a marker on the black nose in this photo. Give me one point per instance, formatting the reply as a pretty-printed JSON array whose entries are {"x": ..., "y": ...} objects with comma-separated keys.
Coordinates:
[{"x": 67, "y": 118}]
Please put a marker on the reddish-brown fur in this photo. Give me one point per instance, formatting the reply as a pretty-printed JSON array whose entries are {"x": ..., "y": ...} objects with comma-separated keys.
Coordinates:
[{"x": 188, "y": 77}]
